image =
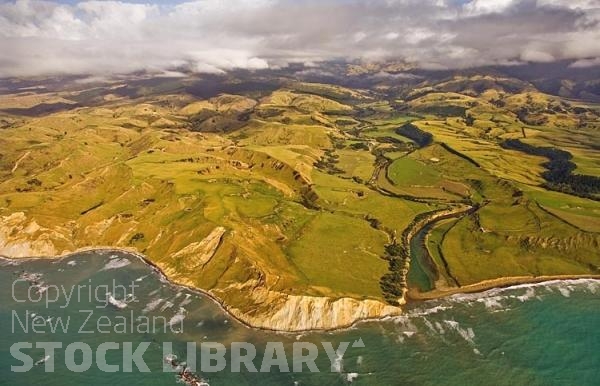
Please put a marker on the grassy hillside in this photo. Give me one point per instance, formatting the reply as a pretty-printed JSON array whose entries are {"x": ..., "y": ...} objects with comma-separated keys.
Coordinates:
[{"x": 304, "y": 190}]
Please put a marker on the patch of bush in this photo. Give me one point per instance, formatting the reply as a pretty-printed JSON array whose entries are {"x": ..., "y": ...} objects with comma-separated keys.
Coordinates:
[
  {"x": 559, "y": 174},
  {"x": 412, "y": 132},
  {"x": 137, "y": 237}
]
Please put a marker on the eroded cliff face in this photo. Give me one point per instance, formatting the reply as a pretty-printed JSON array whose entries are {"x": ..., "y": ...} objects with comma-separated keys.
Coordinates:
[
  {"x": 252, "y": 302},
  {"x": 20, "y": 237},
  {"x": 279, "y": 311}
]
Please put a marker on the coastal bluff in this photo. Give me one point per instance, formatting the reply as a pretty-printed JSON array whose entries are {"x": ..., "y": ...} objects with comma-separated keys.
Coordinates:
[{"x": 251, "y": 302}]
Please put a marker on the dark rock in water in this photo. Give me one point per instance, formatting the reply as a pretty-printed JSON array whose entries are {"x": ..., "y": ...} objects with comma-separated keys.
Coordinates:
[{"x": 183, "y": 372}]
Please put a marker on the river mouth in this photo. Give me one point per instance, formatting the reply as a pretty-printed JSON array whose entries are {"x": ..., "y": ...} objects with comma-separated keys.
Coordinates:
[{"x": 428, "y": 270}]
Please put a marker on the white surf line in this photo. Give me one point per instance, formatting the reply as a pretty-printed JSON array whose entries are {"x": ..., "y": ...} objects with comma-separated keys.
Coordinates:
[{"x": 19, "y": 161}]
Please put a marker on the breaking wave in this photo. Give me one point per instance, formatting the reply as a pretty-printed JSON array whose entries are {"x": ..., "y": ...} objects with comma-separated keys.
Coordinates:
[{"x": 116, "y": 263}]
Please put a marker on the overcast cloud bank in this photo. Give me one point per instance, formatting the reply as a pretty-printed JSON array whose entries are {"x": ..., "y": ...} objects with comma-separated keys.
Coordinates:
[{"x": 100, "y": 37}]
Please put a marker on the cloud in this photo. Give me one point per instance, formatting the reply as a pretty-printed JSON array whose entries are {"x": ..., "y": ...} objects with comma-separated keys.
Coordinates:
[
  {"x": 537, "y": 56},
  {"x": 105, "y": 37},
  {"x": 585, "y": 63},
  {"x": 479, "y": 7}
]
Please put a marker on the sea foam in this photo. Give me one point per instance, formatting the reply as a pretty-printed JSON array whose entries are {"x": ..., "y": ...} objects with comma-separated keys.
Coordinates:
[{"x": 116, "y": 263}]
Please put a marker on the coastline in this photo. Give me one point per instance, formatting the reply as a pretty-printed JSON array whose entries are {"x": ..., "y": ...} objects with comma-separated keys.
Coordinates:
[
  {"x": 165, "y": 279},
  {"x": 412, "y": 295},
  {"x": 105, "y": 250},
  {"x": 486, "y": 285}
]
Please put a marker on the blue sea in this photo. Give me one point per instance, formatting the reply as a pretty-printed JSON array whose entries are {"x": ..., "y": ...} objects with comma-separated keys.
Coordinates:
[{"x": 543, "y": 334}]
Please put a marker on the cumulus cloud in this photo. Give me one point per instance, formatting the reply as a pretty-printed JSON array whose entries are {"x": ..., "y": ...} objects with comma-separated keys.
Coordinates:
[{"x": 104, "y": 37}]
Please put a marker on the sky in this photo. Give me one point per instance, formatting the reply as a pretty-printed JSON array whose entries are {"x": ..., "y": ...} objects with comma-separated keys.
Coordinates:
[{"x": 118, "y": 37}]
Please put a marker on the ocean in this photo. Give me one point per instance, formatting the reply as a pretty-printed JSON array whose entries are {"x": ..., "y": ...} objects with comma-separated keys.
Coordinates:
[{"x": 540, "y": 334}]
